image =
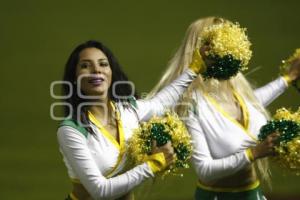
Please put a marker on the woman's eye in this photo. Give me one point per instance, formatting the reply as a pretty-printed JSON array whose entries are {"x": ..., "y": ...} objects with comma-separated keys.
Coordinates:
[
  {"x": 103, "y": 64},
  {"x": 84, "y": 65}
]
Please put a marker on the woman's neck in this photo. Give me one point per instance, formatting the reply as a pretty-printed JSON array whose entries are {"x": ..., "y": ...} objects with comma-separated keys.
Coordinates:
[
  {"x": 219, "y": 90},
  {"x": 223, "y": 93},
  {"x": 102, "y": 110}
]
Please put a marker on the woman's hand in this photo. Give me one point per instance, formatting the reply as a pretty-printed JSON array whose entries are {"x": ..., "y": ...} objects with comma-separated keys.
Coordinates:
[
  {"x": 294, "y": 71},
  {"x": 266, "y": 147},
  {"x": 203, "y": 51},
  {"x": 166, "y": 149}
]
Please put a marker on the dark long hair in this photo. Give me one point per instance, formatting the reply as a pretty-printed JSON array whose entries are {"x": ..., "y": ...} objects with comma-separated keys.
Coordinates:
[{"x": 70, "y": 76}]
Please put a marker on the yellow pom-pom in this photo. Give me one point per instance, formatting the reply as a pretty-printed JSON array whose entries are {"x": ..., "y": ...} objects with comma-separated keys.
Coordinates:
[
  {"x": 286, "y": 114},
  {"x": 285, "y": 66},
  {"x": 139, "y": 146},
  {"x": 289, "y": 155},
  {"x": 288, "y": 150},
  {"x": 228, "y": 39}
]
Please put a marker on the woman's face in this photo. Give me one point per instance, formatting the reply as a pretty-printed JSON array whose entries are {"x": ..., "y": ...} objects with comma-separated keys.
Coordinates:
[{"x": 93, "y": 72}]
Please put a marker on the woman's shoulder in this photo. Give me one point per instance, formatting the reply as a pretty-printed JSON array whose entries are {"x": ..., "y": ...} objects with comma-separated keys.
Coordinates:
[
  {"x": 127, "y": 104},
  {"x": 71, "y": 127}
]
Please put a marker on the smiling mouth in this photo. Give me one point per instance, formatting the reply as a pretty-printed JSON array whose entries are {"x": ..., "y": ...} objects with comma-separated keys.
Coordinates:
[{"x": 96, "y": 81}]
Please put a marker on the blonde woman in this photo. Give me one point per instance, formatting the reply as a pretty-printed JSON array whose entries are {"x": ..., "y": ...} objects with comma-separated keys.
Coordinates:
[{"x": 224, "y": 118}]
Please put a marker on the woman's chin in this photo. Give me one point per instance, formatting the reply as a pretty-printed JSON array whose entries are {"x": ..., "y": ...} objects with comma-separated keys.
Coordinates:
[{"x": 101, "y": 93}]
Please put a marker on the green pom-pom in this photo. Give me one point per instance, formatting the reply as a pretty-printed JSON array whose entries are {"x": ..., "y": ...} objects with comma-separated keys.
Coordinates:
[
  {"x": 223, "y": 68},
  {"x": 183, "y": 154},
  {"x": 162, "y": 129},
  {"x": 159, "y": 134},
  {"x": 288, "y": 130}
]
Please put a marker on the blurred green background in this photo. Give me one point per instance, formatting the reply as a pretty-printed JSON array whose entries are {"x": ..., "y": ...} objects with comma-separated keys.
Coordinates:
[{"x": 38, "y": 36}]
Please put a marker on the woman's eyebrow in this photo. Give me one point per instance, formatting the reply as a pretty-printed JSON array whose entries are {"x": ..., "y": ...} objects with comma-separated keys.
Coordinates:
[
  {"x": 102, "y": 59},
  {"x": 85, "y": 60},
  {"x": 89, "y": 60}
]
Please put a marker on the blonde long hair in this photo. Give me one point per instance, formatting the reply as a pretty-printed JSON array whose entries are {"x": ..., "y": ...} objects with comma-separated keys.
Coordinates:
[{"x": 219, "y": 89}]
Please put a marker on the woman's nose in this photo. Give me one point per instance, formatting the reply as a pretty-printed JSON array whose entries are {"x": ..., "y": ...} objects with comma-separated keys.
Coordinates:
[{"x": 96, "y": 68}]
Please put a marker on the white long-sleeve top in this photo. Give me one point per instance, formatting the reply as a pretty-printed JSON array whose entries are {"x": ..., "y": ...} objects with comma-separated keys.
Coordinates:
[
  {"x": 219, "y": 141},
  {"x": 96, "y": 161}
]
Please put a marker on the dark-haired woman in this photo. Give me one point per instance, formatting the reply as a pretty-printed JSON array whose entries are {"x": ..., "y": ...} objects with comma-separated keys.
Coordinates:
[{"x": 102, "y": 116}]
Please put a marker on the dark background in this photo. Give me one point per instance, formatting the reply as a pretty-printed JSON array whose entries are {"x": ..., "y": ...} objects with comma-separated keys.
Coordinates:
[{"x": 38, "y": 36}]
